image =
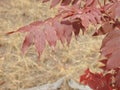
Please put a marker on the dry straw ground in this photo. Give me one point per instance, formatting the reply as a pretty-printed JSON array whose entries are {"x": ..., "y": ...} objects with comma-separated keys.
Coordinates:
[{"x": 17, "y": 71}]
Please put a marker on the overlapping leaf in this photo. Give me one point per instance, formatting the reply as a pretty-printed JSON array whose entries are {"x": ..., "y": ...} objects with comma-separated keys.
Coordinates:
[
  {"x": 96, "y": 81},
  {"x": 104, "y": 62},
  {"x": 63, "y": 2},
  {"x": 84, "y": 16},
  {"x": 105, "y": 28},
  {"x": 117, "y": 79},
  {"x": 111, "y": 48},
  {"x": 66, "y": 2},
  {"x": 113, "y": 9},
  {"x": 50, "y": 35},
  {"x": 50, "y": 30},
  {"x": 54, "y": 3}
]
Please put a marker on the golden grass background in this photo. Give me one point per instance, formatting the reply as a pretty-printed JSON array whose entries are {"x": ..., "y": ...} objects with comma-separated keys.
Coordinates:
[{"x": 17, "y": 71}]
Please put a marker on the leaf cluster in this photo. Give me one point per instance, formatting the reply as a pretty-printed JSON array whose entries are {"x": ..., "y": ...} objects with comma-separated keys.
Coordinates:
[{"x": 76, "y": 15}]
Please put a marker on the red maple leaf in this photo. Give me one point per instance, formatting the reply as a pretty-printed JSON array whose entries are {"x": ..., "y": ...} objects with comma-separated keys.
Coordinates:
[
  {"x": 76, "y": 15},
  {"x": 97, "y": 81}
]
